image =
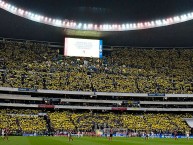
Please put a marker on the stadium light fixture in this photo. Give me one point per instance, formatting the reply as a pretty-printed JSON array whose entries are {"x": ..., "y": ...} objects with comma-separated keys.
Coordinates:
[
  {"x": 96, "y": 26},
  {"x": 8, "y": 6},
  {"x": 184, "y": 17},
  {"x": 45, "y": 19},
  {"x": 123, "y": 26},
  {"x": 189, "y": 15},
  {"x": 57, "y": 22},
  {"x": 13, "y": 9},
  {"x": 127, "y": 26},
  {"x": 101, "y": 27},
  {"x": 148, "y": 24},
  {"x": 80, "y": 25},
  {"x": 50, "y": 20},
  {"x": 85, "y": 26},
  {"x": 2, "y": 3},
  {"x": 90, "y": 26},
  {"x": 176, "y": 19},
  {"x": 109, "y": 26},
  {"x": 119, "y": 27},
  {"x": 131, "y": 26},
  {"x": 29, "y": 14},
  {"x": 74, "y": 24},
  {"x": 135, "y": 26},
  {"x": 158, "y": 22}
]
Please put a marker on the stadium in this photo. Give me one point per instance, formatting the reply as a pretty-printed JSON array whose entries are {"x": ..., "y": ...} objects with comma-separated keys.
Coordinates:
[{"x": 96, "y": 72}]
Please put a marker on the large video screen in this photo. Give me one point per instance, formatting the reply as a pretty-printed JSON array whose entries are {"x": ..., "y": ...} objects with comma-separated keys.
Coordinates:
[{"x": 83, "y": 47}]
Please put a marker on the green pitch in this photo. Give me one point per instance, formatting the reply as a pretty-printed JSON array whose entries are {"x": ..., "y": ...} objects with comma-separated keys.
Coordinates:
[{"x": 91, "y": 141}]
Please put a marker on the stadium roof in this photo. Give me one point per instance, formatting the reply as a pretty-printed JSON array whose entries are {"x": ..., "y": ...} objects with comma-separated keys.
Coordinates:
[{"x": 103, "y": 11}]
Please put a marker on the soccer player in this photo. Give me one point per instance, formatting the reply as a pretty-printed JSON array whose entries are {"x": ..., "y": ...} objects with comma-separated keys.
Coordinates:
[
  {"x": 187, "y": 135},
  {"x": 111, "y": 135},
  {"x": 6, "y": 133},
  {"x": 70, "y": 136},
  {"x": 146, "y": 135},
  {"x": 152, "y": 134},
  {"x": 79, "y": 134},
  {"x": 3, "y": 133},
  {"x": 175, "y": 135}
]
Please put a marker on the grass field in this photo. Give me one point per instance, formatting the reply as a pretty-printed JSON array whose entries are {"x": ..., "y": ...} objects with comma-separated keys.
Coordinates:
[{"x": 92, "y": 141}]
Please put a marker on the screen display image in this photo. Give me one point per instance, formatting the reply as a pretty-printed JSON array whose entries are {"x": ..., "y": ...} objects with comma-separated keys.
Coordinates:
[{"x": 83, "y": 47}]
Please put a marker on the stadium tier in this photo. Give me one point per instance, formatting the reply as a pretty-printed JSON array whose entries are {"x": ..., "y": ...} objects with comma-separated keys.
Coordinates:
[
  {"x": 32, "y": 121},
  {"x": 36, "y": 65}
]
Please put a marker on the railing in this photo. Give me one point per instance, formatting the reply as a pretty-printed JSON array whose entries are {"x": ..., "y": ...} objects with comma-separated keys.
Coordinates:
[
  {"x": 70, "y": 107},
  {"x": 160, "y": 95}
]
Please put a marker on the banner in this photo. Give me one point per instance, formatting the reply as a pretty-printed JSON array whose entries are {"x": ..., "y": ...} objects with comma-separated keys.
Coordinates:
[
  {"x": 156, "y": 94},
  {"x": 45, "y": 106},
  {"x": 42, "y": 114},
  {"x": 27, "y": 90},
  {"x": 29, "y": 134},
  {"x": 168, "y": 136},
  {"x": 119, "y": 108}
]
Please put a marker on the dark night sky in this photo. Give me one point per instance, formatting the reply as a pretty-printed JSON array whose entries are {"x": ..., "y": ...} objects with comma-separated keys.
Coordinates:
[{"x": 103, "y": 11}]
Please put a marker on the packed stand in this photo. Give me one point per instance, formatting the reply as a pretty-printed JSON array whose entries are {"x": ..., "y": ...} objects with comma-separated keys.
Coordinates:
[
  {"x": 89, "y": 121},
  {"x": 61, "y": 121},
  {"x": 7, "y": 121},
  {"x": 28, "y": 122},
  {"x": 25, "y": 121},
  {"x": 35, "y": 65}
]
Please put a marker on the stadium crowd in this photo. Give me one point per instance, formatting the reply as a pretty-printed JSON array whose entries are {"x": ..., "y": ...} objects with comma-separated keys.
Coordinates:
[
  {"x": 28, "y": 122},
  {"x": 35, "y": 65},
  {"x": 25, "y": 121}
]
